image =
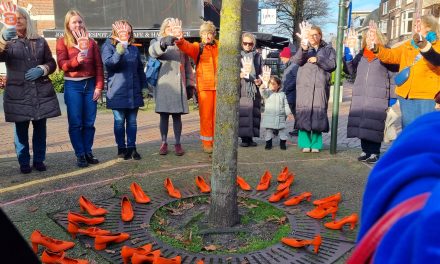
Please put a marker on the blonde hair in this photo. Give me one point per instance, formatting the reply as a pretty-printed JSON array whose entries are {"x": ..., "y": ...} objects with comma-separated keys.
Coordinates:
[
  {"x": 115, "y": 34},
  {"x": 31, "y": 31},
  {"x": 380, "y": 36},
  {"x": 251, "y": 36},
  {"x": 164, "y": 25},
  {"x": 431, "y": 22},
  {"x": 207, "y": 26},
  {"x": 69, "y": 40}
]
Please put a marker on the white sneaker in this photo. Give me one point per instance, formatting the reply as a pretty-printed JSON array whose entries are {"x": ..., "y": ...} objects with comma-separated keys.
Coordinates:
[
  {"x": 306, "y": 150},
  {"x": 315, "y": 150}
]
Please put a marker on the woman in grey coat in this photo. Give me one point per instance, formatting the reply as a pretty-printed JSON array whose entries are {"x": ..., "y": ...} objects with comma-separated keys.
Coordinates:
[
  {"x": 316, "y": 60},
  {"x": 370, "y": 99},
  {"x": 29, "y": 94},
  {"x": 250, "y": 98},
  {"x": 175, "y": 75}
]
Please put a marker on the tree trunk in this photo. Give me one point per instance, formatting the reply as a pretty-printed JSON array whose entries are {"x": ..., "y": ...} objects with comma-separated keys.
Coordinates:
[
  {"x": 299, "y": 11},
  {"x": 224, "y": 210}
]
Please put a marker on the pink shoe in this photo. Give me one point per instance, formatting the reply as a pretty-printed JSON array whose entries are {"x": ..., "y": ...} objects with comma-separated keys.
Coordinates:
[
  {"x": 178, "y": 150},
  {"x": 163, "y": 149}
]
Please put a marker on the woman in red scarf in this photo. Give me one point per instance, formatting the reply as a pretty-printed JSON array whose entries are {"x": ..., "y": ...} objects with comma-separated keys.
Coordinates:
[{"x": 371, "y": 96}]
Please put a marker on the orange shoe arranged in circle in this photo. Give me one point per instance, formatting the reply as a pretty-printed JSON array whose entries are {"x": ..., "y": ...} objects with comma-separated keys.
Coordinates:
[
  {"x": 203, "y": 186},
  {"x": 150, "y": 257},
  {"x": 297, "y": 199},
  {"x": 278, "y": 195},
  {"x": 52, "y": 244},
  {"x": 323, "y": 210},
  {"x": 127, "y": 252},
  {"x": 78, "y": 218},
  {"x": 351, "y": 219},
  {"x": 73, "y": 229},
  {"x": 297, "y": 243},
  {"x": 287, "y": 183},
  {"x": 201, "y": 261},
  {"x": 243, "y": 184},
  {"x": 127, "y": 212},
  {"x": 162, "y": 260},
  {"x": 138, "y": 194},
  {"x": 332, "y": 198},
  {"x": 49, "y": 257},
  {"x": 282, "y": 176},
  {"x": 264, "y": 181},
  {"x": 87, "y": 206},
  {"x": 102, "y": 241},
  {"x": 173, "y": 192}
]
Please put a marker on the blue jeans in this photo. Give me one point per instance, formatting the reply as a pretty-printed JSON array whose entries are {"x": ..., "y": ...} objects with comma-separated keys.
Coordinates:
[
  {"x": 413, "y": 108},
  {"x": 81, "y": 114},
  {"x": 125, "y": 123},
  {"x": 21, "y": 141}
]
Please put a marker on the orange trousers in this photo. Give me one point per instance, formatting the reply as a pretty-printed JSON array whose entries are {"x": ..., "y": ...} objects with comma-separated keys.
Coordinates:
[{"x": 207, "y": 104}]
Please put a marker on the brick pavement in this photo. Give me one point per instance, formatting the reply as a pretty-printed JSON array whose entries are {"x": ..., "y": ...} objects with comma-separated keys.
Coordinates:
[{"x": 148, "y": 130}]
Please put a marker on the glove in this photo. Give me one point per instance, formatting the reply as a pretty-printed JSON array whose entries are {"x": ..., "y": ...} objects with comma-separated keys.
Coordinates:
[
  {"x": 347, "y": 54},
  {"x": 33, "y": 73},
  {"x": 437, "y": 98},
  {"x": 9, "y": 33},
  {"x": 190, "y": 91},
  {"x": 420, "y": 40},
  {"x": 120, "y": 49},
  {"x": 167, "y": 41}
]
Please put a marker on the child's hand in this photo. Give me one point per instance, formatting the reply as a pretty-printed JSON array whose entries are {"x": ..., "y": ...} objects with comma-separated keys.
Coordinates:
[{"x": 290, "y": 117}]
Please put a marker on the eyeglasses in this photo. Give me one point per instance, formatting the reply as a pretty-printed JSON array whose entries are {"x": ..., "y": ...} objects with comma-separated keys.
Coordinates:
[{"x": 247, "y": 43}]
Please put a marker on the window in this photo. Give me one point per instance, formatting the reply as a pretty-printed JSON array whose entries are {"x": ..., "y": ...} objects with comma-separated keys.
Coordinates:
[
  {"x": 393, "y": 30},
  {"x": 383, "y": 26},
  {"x": 398, "y": 3},
  {"x": 406, "y": 24},
  {"x": 385, "y": 8}
]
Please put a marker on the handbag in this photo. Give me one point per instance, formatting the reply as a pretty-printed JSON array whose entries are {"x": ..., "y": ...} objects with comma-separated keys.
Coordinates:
[{"x": 403, "y": 75}]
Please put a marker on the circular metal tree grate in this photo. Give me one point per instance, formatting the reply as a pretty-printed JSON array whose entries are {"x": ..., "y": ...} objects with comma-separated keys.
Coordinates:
[{"x": 334, "y": 243}]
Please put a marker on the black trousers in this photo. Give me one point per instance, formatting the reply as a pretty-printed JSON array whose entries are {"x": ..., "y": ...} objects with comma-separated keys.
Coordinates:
[{"x": 370, "y": 147}]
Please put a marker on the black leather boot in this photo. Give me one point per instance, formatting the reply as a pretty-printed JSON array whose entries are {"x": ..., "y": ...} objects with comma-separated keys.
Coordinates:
[
  {"x": 283, "y": 144},
  {"x": 268, "y": 144}
]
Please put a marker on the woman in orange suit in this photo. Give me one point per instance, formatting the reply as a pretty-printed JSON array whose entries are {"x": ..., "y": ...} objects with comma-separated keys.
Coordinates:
[{"x": 205, "y": 55}]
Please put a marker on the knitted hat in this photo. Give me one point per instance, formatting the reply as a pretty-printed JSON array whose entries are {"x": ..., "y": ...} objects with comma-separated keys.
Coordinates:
[{"x": 285, "y": 53}]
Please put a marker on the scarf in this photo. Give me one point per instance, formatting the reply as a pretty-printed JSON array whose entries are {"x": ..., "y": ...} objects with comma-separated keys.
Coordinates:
[
  {"x": 369, "y": 55},
  {"x": 248, "y": 85},
  {"x": 430, "y": 37}
]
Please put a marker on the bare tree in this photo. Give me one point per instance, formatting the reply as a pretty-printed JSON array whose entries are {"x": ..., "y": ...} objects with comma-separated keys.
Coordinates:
[
  {"x": 224, "y": 209},
  {"x": 291, "y": 12}
]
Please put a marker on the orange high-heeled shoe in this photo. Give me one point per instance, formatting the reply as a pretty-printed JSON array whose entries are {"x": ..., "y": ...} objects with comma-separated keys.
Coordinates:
[
  {"x": 148, "y": 258},
  {"x": 332, "y": 198},
  {"x": 243, "y": 184},
  {"x": 102, "y": 241},
  {"x": 162, "y": 260},
  {"x": 297, "y": 199},
  {"x": 173, "y": 192},
  {"x": 200, "y": 261},
  {"x": 52, "y": 244},
  {"x": 49, "y": 257},
  {"x": 287, "y": 183},
  {"x": 264, "y": 181},
  {"x": 351, "y": 219},
  {"x": 323, "y": 210},
  {"x": 282, "y": 176},
  {"x": 278, "y": 195},
  {"x": 138, "y": 194},
  {"x": 127, "y": 252},
  {"x": 78, "y": 218},
  {"x": 127, "y": 212},
  {"x": 87, "y": 206},
  {"x": 297, "y": 243},
  {"x": 203, "y": 186},
  {"x": 73, "y": 229}
]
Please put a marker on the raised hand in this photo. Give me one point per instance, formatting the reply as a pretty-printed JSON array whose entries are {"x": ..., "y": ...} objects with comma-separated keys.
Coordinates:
[
  {"x": 304, "y": 35},
  {"x": 419, "y": 40},
  {"x": 176, "y": 28},
  {"x": 351, "y": 39},
  {"x": 122, "y": 30},
  {"x": 372, "y": 34},
  {"x": 82, "y": 40},
  {"x": 8, "y": 11},
  {"x": 266, "y": 76},
  {"x": 247, "y": 67}
]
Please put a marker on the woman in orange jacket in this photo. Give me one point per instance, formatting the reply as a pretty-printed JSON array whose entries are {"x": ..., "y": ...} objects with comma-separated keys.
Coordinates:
[
  {"x": 205, "y": 55},
  {"x": 416, "y": 94}
]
